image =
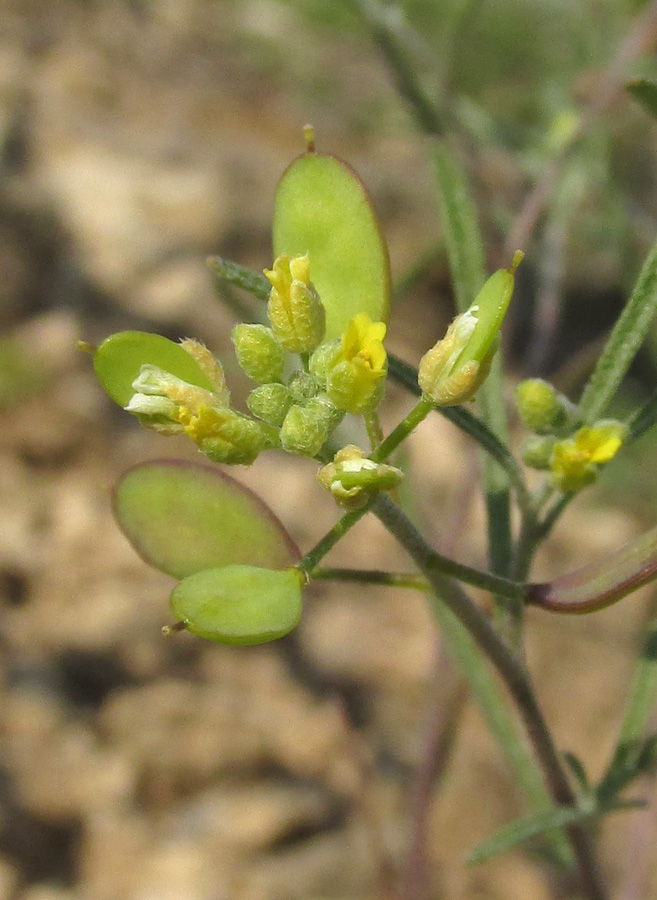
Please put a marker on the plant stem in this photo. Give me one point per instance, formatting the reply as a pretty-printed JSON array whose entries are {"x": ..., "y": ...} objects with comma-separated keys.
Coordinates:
[
  {"x": 512, "y": 672},
  {"x": 475, "y": 577},
  {"x": 331, "y": 538},
  {"x": 373, "y": 426},
  {"x": 419, "y": 412},
  {"x": 406, "y": 375}
]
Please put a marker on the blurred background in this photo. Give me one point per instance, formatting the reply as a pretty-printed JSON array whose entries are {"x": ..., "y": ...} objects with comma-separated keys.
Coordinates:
[{"x": 137, "y": 138}]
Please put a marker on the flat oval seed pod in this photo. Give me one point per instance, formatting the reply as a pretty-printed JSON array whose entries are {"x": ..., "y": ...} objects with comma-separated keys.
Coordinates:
[
  {"x": 184, "y": 517},
  {"x": 120, "y": 357},
  {"x": 322, "y": 209},
  {"x": 239, "y": 604}
]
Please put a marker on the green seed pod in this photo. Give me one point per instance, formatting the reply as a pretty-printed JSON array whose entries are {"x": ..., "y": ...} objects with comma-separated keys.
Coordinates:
[
  {"x": 239, "y": 604},
  {"x": 541, "y": 407},
  {"x": 323, "y": 210},
  {"x": 303, "y": 431},
  {"x": 259, "y": 352},
  {"x": 536, "y": 451},
  {"x": 270, "y": 402}
]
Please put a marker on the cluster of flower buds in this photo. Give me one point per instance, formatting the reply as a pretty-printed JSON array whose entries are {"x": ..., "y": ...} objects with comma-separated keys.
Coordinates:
[
  {"x": 341, "y": 376},
  {"x": 559, "y": 443},
  {"x": 296, "y": 411}
]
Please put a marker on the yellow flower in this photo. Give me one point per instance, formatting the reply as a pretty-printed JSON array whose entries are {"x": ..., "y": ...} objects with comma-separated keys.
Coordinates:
[
  {"x": 295, "y": 311},
  {"x": 356, "y": 374},
  {"x": 574, "y": 462}
]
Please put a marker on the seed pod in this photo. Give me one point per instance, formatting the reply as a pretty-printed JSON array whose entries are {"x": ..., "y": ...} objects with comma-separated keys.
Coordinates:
[{"x": 239, "y": 604}]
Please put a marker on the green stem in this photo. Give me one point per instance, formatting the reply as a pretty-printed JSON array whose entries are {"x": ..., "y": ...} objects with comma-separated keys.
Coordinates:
[
  {"x": 419, "y": 412},
  {"x": 363, "y": 576},
  {"x": 475, "y": 577},
  {"x": 512, "y": 672},
  {"x": 331, "y": 538},
  {"x": 373, "y": 426}
]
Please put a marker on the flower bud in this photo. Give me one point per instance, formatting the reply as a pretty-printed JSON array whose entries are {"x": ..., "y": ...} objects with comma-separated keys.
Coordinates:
[
  {"x": 302, "y": 387},
  {"x": 320, "y": 361},
  {"x": 210, "y": 366},
  {"x": 541, "y": 407},
  {"x": 258, "y": 352},
  {"x": 456, "y": 367},
  {"x": 356, "y": 374},
  {"x": 352, "y": 477},
  {"x": 225, "y": 436},
  {"x": 536, "y": 451},
  {"x": 295, "y": 310},
  {"x": 270, "y": 402},
  {"x": 304, "y": 431}
]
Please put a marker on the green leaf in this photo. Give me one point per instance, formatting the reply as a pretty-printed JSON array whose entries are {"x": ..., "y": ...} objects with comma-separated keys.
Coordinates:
[
  {"x": 120, "y": 357},
  {"x": 524, "y": 829},
  {"x": 578, "y": 770},
  {"x": 624, "y": 341},
  {"x": 184, "y": 517},
  {"x": 322, "y": 209},
  {"x": 459, "y": 220},
  {"x": 646, "y": 93},
  {"x": 239, "y": 604}
]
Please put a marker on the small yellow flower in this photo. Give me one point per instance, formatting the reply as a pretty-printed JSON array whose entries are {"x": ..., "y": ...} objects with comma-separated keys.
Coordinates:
[
  {"x": 574, "y": 462},
  {"x": 295, "y": 310},
  {"x": 356, "y": 374}
]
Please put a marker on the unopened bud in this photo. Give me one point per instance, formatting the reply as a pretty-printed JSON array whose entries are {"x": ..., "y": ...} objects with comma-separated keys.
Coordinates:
[
  {"x": 541, "y": 407},
  {"x": 258, "y": 352},
  {"x": 295, "y": 310},
  {"x": 536, "y": 451},
  {"x": 303, "y": 431},
  {"x": 270, "y": 402},
  {"x": 456, "y": 367}
]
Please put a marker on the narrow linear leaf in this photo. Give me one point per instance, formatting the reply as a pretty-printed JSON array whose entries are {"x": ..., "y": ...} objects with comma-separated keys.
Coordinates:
[
  {"x": 603, "y": 582},
  {"x": 624, "y": 341},
  {"x": 252, "y": 282},
  {"x": 644, "y": 418},
  {"x": 578, "y": 770},
  {"x": 459, "y": 220},
  {"x": 523, "y": 829},
  {"x": 184, "y": 517},
  {"x": 646, "y": 93},
  {"x": 643, "y": 692}
]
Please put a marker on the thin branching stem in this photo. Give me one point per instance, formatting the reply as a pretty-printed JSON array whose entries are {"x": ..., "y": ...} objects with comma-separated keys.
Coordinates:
[{"x": 513, "y": 674}]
